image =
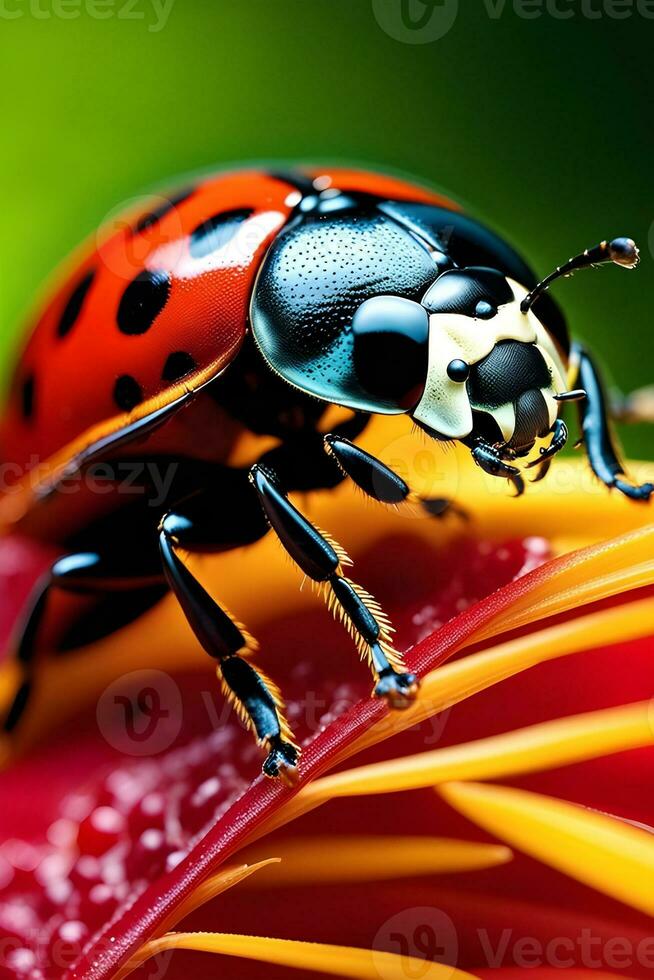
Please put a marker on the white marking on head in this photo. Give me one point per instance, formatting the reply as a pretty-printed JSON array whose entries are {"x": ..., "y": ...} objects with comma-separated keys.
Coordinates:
[{"x": 445, "y": 406}]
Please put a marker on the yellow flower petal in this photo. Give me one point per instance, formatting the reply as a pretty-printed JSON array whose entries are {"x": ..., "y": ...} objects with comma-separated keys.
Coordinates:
[
  {"x": 339, "y": 961},
  {"x": 215, "y": 885},
  {"x": 532, "y": 749},
  {"x": 312, "y": 860},
  {"x": 614, "y": 567},
  {"x": 456, "y": 681},
  {"x": 611, "y": 856},
  {"x": 209, "y": 889}
]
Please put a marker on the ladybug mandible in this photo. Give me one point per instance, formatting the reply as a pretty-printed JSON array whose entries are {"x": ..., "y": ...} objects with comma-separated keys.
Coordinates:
[{"x": 249, "y": 303}]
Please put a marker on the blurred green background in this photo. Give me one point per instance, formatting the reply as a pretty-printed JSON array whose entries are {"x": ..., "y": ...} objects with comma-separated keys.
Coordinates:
[{"x": 542, "y": 125}]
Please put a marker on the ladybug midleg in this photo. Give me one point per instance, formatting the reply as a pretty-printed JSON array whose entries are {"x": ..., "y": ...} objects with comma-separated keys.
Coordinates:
[
  {"x": 322, "y": 560},
  {"x": 84, "y": 572},
  {"x": 379, "y": 481},
  {"x": 256, "y": 698},
  {"x": 594, "y": 415}
]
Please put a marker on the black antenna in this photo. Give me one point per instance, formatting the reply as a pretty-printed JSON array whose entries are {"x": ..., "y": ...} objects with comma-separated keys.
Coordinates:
[{"x": 622, "y": 251}]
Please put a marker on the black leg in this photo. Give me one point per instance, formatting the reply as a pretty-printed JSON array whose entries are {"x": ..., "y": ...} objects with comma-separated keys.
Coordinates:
[
  {"x": 379, "y": 481},
  {"x": 321, "y": 559},
  {"x": 597, "y": 437},
  {"x": 82, "y": 572},
  {"x": 86, "y": 571},
  {"x": 256, "y": 698}
]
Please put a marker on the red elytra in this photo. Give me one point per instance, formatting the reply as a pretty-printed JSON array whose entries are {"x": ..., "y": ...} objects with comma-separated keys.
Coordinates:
[{"x": 68, "y": 379}]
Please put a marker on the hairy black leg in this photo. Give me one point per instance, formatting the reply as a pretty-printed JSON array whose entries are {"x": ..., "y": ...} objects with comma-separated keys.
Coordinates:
[
  {"x": 379, "y": 481},
  {"x": 256, "y": 698},
  {"x": 371, "y": 475},
  {"x": 490, "y": 461},
  {"x": 83, "y": 572},
  {"x": 600, "y": 445},
  {"x": 321, "y": 559}
]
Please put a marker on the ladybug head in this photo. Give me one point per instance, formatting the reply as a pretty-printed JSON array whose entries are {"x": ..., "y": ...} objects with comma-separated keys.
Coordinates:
[
  {"x": 464, "y": 361},
  {"x": 493, "y": 370},
  {"x": 359, "y": 309},
  {"x": 471, "y": 360}
]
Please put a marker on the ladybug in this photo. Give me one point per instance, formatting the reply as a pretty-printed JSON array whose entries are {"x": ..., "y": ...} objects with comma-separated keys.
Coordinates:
[{"x": 243, "y": 307}]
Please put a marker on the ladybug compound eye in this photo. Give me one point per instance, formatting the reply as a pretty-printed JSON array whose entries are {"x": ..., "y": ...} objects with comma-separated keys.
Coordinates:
[
  {"x": 391, "y": 349},
  {"x": 474, "y": 292}
]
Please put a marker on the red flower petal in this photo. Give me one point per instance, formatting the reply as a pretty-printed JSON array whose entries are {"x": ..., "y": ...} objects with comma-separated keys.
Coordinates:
[{"x": 131, "y": 869}]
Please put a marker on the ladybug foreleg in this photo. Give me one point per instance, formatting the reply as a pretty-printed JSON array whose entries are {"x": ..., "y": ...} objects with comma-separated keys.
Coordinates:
[
  {"x": 601, "y": 447},
  {"x": 379, "y": 481},
  {"x": 256, "y": 698},
  {"x": 322, "y": 560}
]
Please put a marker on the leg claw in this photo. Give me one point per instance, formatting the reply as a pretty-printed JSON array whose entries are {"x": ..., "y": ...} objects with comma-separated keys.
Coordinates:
[
  {"x": 643, "y": 492},
  {"x": 281, "y": 762},
  {"x": 442, "y": 507},
  {"x": 398, "y": 690}
]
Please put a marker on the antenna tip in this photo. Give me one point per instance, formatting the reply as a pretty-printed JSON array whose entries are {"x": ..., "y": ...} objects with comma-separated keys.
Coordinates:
[{"x": 624, "y": 251}]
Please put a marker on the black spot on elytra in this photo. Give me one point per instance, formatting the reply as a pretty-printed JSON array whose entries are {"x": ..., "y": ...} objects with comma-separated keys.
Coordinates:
[
  {"x": 27, "y": 398},
  {"x": 177, "y": 366},
  {"x": 73, "y": 307},
  {"x": 155, "y": 215},
  {"x": 216, "y": 232},
  {"x": 127, "y": 393},
  {"x": 143, "y": 301}
]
